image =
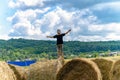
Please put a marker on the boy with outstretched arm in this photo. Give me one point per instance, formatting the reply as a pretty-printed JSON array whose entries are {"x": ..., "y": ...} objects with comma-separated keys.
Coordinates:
[{"x": 59, "y": 36}]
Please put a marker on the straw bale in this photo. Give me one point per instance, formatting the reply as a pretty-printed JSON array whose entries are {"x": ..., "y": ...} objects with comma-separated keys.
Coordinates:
[
  {"x": 79, "y": 69},
  {"x": 105, "y": 66},
  {"x": 115, "y": 71},
  {"x": 5, "y": 72},
  {"x": 44, "y": 70},
  {"x": 20, "y": 72}
]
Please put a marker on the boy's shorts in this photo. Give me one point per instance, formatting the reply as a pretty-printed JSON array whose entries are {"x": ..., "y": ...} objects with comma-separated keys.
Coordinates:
[{"x": 60, "y": 50}]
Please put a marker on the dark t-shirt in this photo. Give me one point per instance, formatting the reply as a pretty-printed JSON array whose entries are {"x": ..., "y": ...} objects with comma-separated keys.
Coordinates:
[{"x": 59, "y": 38}]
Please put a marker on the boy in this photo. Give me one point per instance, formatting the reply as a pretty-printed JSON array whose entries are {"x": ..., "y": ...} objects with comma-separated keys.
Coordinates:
[{"x": 59, "y": 37}]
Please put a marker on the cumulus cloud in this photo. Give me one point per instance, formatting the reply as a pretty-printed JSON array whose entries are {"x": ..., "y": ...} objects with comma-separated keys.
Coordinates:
[
  {"x": 27, "y": 23},
  {"x": 23, "y": 24},
  {"x": 107, "y": 31},
  {"x": 66, "y": 4},
  {"x": 110, "y": 5},
  {"x": 5, "y": 37},
  {"x": 111, "y": 27},
  {"x": 107, "y": 12},
  {"x": 24, "y": 4},
  {"x": 39, "y": 18}
]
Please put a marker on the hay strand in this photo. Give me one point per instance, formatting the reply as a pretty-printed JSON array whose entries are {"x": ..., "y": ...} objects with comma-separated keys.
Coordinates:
[
  {"x": 105, "y": 66},
  {"x": 115, "y": 71},
  {"x": 79, "y": 69},
  {"x": 5, "y": 72},
  {"x": 44, "y": 70},
  {"x": 20, "y": 72}
]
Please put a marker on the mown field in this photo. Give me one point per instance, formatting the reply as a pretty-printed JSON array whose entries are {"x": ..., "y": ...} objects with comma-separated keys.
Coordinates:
[{"x": 102, "y": 68}]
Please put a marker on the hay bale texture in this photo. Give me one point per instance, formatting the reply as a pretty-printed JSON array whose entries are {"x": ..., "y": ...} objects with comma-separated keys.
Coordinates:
[
  {"x": 20, "y": 72},
  {"x": 79, "y": 69},
  {"x": 115, "y": 71},
  {"x": 105, "y": 66},
  {"x": 6, "y": 72},
  {"x": 46, "y": 70}
]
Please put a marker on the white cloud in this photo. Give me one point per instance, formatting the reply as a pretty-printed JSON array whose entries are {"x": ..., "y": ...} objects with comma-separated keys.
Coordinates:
[
  {"x": 25, "y": 3},
  {"x": 103, "y": 32},
  {"x": 32, "y": 2},
  {"x": 21, "y": 15},
  {"x": 4, "y": 36},
  {"x": 66, "y": 4},
  {"x": 110, "y": 27},
  {"x": 113, "y": 36},
  {"x": 115, "y": 6},
  {"x": 90, "y": 38},
  {"x": 26, "y": 23},
  {"x": 37, "y": 23}
]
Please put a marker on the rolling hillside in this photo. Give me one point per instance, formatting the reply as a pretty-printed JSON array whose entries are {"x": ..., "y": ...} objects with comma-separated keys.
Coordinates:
[{"x": 14, "y": 49}]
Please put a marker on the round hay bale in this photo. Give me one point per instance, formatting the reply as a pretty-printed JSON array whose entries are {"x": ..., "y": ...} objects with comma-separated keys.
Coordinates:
[
  {"x": 105, "y": 66},
  {"x": 44, "y": 70},
  {"x": 115, "y": 71},
  {"x": 5, "y": 72},
  {"x": 20, "y": 72},
  {"x": 79, "y": 69}
]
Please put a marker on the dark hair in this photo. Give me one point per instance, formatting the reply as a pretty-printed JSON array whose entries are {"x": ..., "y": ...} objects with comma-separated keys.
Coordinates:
[{"x": 58, "y": 30}]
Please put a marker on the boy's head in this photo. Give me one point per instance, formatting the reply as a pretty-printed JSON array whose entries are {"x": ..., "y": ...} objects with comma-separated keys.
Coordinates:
[{"x": 58, "y": 31}]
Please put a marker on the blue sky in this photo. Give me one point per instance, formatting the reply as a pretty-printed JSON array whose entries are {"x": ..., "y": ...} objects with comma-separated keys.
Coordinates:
[{"x": 90, "y": 20}]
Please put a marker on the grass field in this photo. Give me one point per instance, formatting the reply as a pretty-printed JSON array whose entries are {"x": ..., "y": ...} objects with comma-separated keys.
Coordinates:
[{"x": 112, "y": 58}]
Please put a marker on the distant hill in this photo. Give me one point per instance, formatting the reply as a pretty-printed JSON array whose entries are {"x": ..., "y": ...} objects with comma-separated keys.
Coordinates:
[{"x": 14, "y": 49}]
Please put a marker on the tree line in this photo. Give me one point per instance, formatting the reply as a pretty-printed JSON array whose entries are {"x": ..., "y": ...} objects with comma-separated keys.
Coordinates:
[{"x": 20, "y": 49}]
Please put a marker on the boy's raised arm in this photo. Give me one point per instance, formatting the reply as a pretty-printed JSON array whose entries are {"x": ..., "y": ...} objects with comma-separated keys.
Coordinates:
[
  {"x": 68, "y": 31},
  {"x": 50, "y": 37}
]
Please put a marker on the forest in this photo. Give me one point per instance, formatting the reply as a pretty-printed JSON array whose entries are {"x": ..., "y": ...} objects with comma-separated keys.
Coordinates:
[{"x": 22, "y": 49}]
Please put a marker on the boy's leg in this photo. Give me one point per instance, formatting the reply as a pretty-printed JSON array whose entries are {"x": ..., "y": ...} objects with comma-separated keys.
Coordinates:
[
  {"x": 60, "y": 53},
  {"x": 59, "y": 50}
]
